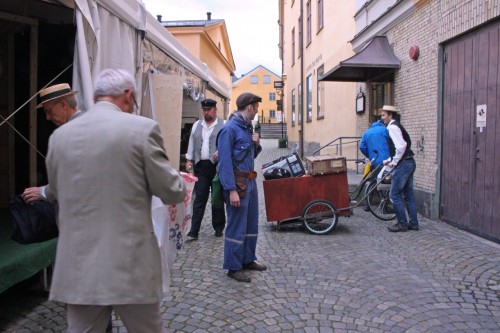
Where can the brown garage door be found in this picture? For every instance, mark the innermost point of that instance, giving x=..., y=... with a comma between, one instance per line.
x=470, y=185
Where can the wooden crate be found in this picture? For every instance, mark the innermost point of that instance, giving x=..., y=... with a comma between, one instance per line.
x=325, y=164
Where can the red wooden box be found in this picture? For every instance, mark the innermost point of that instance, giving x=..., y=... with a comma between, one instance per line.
x=286, y=198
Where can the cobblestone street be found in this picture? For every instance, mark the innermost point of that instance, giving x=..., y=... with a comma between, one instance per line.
x=359, y=278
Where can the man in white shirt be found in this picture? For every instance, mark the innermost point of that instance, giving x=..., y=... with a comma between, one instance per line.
x=202, y=157
x=401, y=159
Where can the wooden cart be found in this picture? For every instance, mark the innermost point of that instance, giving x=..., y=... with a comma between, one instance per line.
x=312, y=200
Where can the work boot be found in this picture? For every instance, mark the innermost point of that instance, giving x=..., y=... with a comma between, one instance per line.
x=398, y=227
x=192, y=236
x=238, y=276
x=255, y=266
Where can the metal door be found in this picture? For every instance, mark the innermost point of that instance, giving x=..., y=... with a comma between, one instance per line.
x=470, y=185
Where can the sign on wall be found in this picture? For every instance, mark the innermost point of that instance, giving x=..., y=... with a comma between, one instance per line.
x=481, y=116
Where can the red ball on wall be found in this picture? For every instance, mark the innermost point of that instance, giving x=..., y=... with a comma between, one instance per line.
x=414, y=52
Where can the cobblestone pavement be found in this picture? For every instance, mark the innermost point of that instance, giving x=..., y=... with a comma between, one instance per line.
x=359, y=278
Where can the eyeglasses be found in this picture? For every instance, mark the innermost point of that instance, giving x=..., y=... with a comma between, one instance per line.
x=136, y=107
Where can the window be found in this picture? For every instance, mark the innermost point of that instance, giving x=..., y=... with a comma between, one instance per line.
x=254, y=79
x=299, y=110
x=320, y=89
x=320, y=15
x=381, y=94
x=267, y=79
x=293, y=46
x=309, y=98
x=308, y=11
x=272, y=113
x=272, y=96
x=293, y=107
x=301, y=37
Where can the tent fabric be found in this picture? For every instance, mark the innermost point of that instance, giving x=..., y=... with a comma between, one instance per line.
x=376, y=61
x=109, y=34
x=103, y=40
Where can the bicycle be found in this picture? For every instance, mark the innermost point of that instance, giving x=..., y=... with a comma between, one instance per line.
x=377, y=193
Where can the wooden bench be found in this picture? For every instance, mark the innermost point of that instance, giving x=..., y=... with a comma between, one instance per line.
x=19, y=262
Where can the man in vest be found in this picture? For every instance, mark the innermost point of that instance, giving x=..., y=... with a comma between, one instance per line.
x=401, y=159
x=202, y=156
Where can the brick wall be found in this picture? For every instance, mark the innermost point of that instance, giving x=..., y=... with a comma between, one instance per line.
x=416, y=88
x=459, y=16
x=417, y=82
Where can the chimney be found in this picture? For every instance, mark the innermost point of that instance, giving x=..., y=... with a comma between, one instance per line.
x=209, y=16
x=159, y=18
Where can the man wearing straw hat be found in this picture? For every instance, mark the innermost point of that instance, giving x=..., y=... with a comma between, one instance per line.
x=60, y=106
x=402, y=161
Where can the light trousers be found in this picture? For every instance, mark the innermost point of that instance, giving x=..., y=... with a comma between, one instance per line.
x=137, y=318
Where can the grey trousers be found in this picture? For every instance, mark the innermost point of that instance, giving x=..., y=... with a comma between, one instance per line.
x=137, y=318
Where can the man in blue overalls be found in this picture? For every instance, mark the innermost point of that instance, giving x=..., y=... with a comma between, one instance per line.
x=238, y=147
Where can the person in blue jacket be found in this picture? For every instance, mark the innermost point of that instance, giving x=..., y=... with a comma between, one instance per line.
x=238, y=146
x=375, y=139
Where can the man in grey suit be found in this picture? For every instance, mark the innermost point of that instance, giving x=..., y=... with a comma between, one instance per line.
x=103, y=169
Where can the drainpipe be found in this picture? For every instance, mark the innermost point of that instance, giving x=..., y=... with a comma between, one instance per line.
x=301, y=45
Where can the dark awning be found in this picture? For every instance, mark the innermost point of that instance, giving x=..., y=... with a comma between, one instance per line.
x=375, y=62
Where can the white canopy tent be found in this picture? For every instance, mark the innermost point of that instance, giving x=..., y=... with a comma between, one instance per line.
x=110, y=34
x=122, y=34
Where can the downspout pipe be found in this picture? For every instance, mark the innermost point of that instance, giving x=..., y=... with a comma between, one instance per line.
x=301, y=45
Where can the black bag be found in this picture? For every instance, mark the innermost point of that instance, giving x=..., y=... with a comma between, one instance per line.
x=34, y=222
x=277, y=173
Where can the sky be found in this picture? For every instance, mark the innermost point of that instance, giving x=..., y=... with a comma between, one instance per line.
x=252, y=26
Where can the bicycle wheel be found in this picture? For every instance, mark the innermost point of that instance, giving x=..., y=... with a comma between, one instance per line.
x=379, y=203
x=319, y=217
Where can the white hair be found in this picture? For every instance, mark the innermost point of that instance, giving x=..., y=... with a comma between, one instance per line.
x=113, y=82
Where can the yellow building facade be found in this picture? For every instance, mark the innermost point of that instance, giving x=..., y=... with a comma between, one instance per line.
x=259, y=81
x=317, y=112
x=208, y=40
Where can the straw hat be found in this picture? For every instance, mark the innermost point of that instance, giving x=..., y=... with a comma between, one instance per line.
x=390, y=108
x=55, y=91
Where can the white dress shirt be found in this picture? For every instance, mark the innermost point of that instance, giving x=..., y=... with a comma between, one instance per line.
x=399, y=143
x=206, y=131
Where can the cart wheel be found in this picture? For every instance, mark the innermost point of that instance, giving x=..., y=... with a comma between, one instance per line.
x=319, y=217
x=379, y=202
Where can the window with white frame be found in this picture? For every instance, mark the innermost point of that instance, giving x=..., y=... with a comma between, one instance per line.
x=320, y=15
x=267, y=79
x=308, y=22
x=309, y=97
x=299, y=109
x=272, y=113
x=254, y=79
x=320, y=92
x=272, y=96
